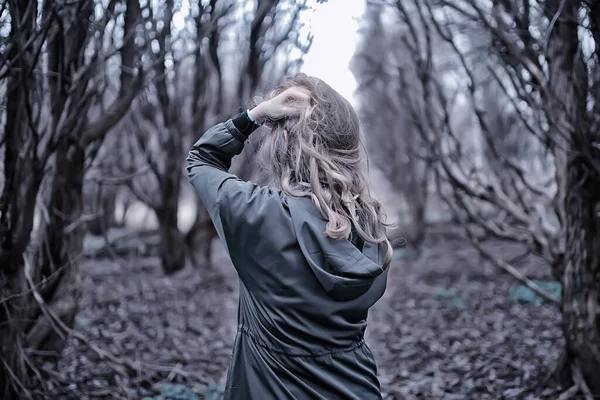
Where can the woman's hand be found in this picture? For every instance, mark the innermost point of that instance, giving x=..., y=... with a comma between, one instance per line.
x=289, y=103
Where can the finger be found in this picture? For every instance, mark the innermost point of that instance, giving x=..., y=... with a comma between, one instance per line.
x=303, y=94
x=299, y=100
x=295, y=109
x=298, y=93
x=301, y=89
x=290, y=111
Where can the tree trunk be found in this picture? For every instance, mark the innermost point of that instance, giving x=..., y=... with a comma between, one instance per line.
x=172, y=249
x=199, y=238
x=54, y=267
x=581, y=276
x=61, y=243
x=22, y=173
x=578, y=194
x=28, y=325
x=102, y=203
x=416, y=197
x=12, y=360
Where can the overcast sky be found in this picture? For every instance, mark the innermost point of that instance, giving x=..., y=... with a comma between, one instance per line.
x=335, y=27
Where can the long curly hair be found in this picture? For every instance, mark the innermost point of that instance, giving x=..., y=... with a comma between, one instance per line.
x=318, y=154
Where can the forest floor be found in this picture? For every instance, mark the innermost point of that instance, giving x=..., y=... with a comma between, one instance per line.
x=448, y=327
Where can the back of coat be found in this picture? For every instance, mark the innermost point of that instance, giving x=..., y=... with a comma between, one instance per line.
x=304, y=297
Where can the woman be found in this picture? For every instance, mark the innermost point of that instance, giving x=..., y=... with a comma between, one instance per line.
x=310, y=249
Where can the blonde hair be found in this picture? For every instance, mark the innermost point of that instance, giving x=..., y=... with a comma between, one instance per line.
x=318, y=154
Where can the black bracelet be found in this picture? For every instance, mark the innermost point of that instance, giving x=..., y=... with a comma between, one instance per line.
x=244, y=124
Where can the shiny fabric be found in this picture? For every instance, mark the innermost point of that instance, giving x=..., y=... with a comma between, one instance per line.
x=304, y=297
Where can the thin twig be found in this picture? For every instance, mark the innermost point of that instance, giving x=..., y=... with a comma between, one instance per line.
x=16, y=379
x=579, y=380
x=569, y=393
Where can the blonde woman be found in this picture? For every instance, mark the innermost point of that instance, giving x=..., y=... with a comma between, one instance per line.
x=310, y=248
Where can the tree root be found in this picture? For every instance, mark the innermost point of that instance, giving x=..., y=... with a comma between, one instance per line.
x=569, y=393
x=16, y=381
x=572, y=371
x=579, y=380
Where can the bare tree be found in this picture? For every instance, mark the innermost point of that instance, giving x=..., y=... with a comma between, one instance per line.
x=391, y=138
x=105, y=189
x=208, y=88
x=535, y=56
x=274, y=28
x=158, y=128
x=55, y=76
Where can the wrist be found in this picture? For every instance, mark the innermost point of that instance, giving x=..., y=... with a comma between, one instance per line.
x=257, y=114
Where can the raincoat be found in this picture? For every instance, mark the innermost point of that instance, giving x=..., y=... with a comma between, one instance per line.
x=303, y=298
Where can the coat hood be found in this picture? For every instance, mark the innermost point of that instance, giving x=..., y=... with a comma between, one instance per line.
x=343, y=270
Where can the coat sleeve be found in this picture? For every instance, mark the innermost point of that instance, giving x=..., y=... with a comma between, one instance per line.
x=236, y=207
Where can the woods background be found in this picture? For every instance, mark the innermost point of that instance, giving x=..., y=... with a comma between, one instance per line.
x=481, y=124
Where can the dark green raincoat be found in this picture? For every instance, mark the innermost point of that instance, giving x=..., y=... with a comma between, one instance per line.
x=304, y=297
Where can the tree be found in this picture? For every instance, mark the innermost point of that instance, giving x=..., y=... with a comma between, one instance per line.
x=392, y=140
x=159, y=127
x=537, y=61
x=54, y=68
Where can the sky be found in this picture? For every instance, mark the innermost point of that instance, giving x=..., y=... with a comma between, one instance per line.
x=335, y=26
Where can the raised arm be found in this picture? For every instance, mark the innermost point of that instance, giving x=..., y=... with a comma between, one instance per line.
x=209, y=160
x=230, y=201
